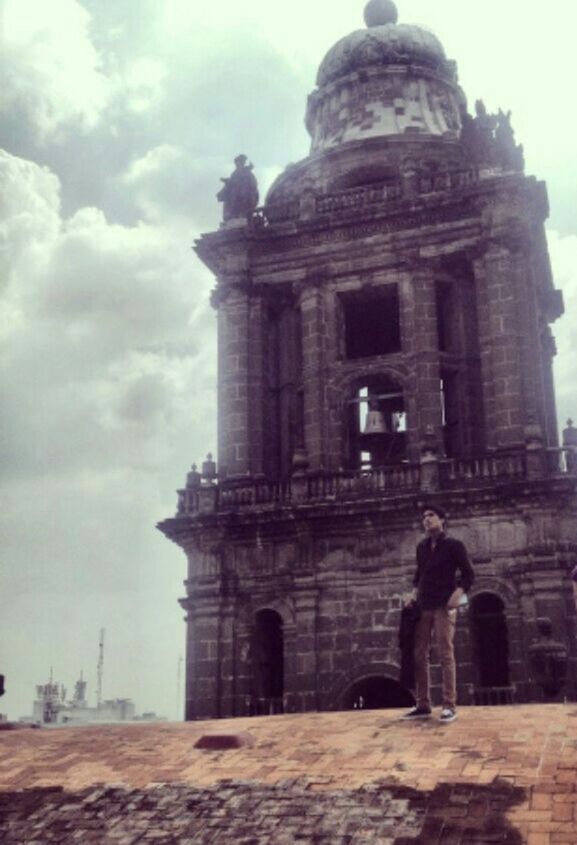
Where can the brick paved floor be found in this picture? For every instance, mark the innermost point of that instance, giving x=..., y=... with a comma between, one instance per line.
x=496, y=775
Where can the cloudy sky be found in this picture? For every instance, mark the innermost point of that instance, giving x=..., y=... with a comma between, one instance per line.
x=118, y=119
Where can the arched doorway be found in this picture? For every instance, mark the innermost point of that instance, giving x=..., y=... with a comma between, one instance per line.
x=491, y=647
x=377, y=692
x=268, y=662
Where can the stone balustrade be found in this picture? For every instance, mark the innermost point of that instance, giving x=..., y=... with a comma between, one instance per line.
x=314, y=488
x=353, y=200
x=509, y=466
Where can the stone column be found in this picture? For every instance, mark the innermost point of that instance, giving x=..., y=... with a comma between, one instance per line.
x=304, y=679
x=255, y=383
x=526, y=298
x=314, y=338
x=419, y=338
x=499, y=340
x=240, y=382
x=204, y=632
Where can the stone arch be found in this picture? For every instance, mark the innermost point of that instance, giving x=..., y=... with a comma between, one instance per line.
x=370, y=687
x=346, y=383
x=379, y=380
x=283, y=606
x=498, y=586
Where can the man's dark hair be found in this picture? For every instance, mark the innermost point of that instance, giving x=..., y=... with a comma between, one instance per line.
x=436, y=509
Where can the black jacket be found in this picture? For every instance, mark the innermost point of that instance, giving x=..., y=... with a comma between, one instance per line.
x=435, y=578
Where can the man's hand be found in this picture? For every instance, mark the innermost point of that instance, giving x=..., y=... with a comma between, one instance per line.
x=410, y=599
x=455, y=598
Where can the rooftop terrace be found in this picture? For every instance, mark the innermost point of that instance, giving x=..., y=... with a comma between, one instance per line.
x=499, y=774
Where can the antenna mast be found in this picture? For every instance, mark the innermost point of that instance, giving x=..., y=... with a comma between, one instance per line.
x=100, y=668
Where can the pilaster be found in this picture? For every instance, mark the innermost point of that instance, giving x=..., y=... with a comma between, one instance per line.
x=314, y=339
x=420, y=340
x=500, y=344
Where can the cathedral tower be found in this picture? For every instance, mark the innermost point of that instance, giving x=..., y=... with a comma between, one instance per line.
x=383, y=341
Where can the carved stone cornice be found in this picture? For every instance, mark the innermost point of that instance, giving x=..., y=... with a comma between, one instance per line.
x=225, y=251
x=354, y=231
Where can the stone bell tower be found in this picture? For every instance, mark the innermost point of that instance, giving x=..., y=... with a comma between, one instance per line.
x=383, y=341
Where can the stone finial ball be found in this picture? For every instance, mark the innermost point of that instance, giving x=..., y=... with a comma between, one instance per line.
x=380, y=12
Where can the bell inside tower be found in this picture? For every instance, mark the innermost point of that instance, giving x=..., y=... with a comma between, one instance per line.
x=377, y=424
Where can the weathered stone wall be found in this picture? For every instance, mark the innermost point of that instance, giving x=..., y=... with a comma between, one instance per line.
x=338, y=584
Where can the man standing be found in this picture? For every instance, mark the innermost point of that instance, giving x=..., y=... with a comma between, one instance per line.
x=437, y=595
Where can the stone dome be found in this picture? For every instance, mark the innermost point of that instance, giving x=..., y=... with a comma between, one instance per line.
x=383, y=42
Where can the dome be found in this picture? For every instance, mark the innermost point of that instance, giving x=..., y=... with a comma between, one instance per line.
x=383, y=42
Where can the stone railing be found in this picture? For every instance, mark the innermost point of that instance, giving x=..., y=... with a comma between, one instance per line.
x=353, y=485
x=384, y=482
x=507, y=466
x=492, y=696
x=353, y=200
x=448, y=180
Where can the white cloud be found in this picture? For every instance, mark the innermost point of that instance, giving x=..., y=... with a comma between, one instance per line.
x=52, y=75
x=143, y=84
x=29, y=213
x=107, y=377
x=168, y=183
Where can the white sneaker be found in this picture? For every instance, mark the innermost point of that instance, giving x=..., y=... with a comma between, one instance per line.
x=448, y=715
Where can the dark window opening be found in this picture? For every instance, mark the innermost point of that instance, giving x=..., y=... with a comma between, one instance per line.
x=377, y=425
x=448, y=327
x=450, y=413
x=372, y=324
x=268, y=662
x=377, y=693
x=490, y=639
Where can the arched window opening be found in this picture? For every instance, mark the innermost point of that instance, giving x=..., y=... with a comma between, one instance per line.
x=490, y=641
x=268, y=663
x=377, y=425
x=377, y=692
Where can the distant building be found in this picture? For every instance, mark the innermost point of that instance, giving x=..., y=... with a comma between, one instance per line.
x=52, y=708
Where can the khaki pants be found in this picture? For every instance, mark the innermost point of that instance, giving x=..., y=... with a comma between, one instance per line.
x=442, y=622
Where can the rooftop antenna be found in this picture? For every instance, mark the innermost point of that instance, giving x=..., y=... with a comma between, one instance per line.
x=100, y=669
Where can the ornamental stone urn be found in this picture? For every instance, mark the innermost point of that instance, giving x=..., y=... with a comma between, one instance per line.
x=548, y=660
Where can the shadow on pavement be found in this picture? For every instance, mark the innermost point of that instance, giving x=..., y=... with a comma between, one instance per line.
x=295, y=812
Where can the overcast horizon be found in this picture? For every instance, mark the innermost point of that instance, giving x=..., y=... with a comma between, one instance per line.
x=119, y=117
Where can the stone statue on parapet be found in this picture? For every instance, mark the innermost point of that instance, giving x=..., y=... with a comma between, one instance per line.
x=485, y=125
x=509, y=153
x=489, y=139
x=239, y=193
